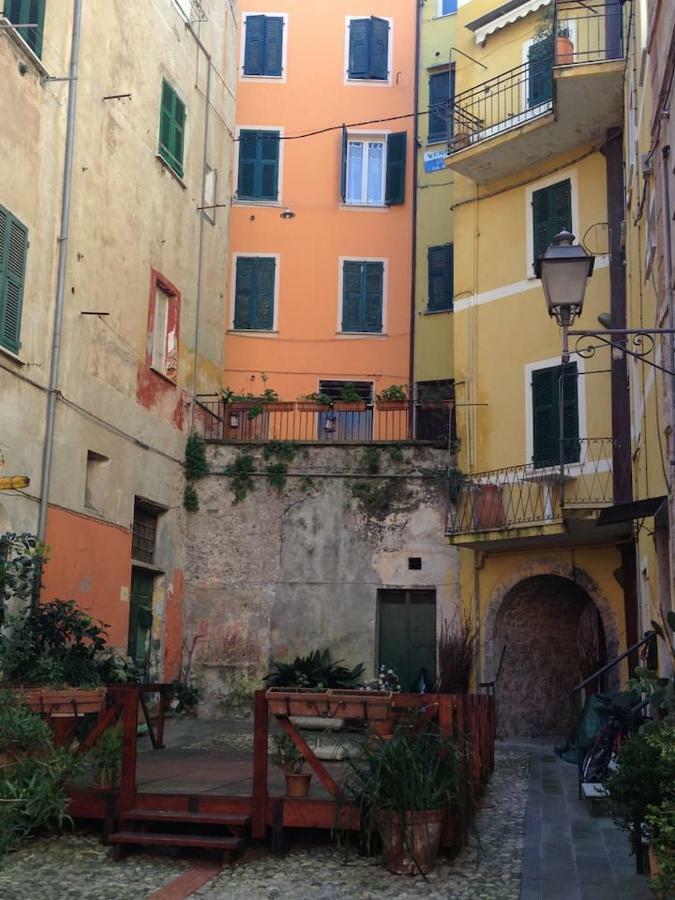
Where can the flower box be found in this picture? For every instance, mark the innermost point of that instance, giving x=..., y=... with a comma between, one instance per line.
x=343, y=704
x=350, y=406
x=390, y=405
x=308, y=406
x=279, y=406
x=63, y=702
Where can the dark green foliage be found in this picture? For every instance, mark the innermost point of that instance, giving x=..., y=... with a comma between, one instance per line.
x=393, y=392
x=317, y=670
x=190, y=498
x=285, y=451
x=375, y=497
x=196, y=466
x=370, y=460
x=183, y=697
x=20, y=561
x=276, y=475
x=645, y=774
x=661, y=822
x=286, y=755
x=349, y=394
x=319, y=399
x=20, y=729
x=106, y=756
x=241, y=473
x=57, y=644
x=395, y=453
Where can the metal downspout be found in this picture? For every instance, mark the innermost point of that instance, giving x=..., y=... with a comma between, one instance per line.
x=53, y=390
x=671, y=349
x=412, y=393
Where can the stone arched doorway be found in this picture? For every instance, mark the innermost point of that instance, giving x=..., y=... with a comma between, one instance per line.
x=551, y=629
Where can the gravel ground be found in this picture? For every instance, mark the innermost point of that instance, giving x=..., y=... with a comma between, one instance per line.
x=77, y=867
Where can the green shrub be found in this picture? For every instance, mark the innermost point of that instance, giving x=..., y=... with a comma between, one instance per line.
x=286, y=755
x=317, y=670
x=20, y=729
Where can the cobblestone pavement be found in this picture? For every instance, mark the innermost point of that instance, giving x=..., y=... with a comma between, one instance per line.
x=77, y=867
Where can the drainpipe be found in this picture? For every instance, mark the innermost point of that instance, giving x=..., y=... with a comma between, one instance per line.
x=621, y=450
x=202, y=217
x=412, y=392
x=671, y=348
x=53, y=390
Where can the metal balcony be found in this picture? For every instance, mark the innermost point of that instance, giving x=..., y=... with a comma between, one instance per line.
x=566, y=96
x=544, y=503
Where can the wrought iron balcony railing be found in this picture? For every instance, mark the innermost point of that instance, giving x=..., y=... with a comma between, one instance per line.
x=534, y=495
x=586, y=31
x=359, y=422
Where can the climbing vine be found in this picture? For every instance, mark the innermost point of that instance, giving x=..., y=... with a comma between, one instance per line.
x=241, y=473
x=375, y=497
x=196, y=467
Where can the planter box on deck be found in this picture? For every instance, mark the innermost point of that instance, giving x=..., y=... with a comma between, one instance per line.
x=63, y=702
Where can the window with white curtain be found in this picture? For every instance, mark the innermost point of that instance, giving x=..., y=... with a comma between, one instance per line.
x=365, y=172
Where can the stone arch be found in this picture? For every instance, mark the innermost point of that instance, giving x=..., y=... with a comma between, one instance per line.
x=555, y=594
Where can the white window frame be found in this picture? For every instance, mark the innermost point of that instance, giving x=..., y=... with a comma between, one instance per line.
x=210, y=194
x=368, y=82
x=279, y=79
x=235, y=169
x=360, y=335
x=529, y=368
x=366, y=137
x=233, y=296
x=570, y=175
x=160, y=338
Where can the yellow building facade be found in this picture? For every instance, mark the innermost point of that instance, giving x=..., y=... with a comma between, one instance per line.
x=537, y=96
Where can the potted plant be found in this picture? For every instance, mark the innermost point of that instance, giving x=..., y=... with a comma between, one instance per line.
x=404, y=788
x=456, y=648
x=488, y=508
x=289, y=759
x=314, y=403
x=22, y=733
x=106, y=758
x=392, y=397
x=350, y=401
x=564, y=46
x=303, y=686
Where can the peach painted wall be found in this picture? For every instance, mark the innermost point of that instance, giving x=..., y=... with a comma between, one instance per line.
x=173, y=627
x=90, y=562
x=314, y=95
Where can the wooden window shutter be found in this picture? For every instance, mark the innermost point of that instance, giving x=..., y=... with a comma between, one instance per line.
x=359, y=43
x=254, y=48
x=396, y=153
x=267, y=187
x=264, y=293
x=172, y=128
x=546, y=450
x=378, y=50
x=248, y=145
x=352, y=292
x=440, y=262
x=540, y=57
x=243, y=293
x=439, y=95
x=13, y=249
x=178, y=132
x=551, y=214
x=344, y=140
x=28, y=12
x=274, y=36
x=570, y=417
x=373, y=280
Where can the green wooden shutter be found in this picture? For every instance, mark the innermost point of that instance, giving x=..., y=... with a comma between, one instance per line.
x=264, y=293
x=248, y=148
x=546, y=449
x=540, y=72
x=274, y=36
x=254, y=47
x=378, y=49
x=344, y=140
x=172, y=128
x=178, y=132
x=570, y=417
x=359, y=56
x=440, y=262
x=373, y=281
x=396, y=152
x=13, y=249
x=352, y=292
x=439, y=95
x=243, y=293
x=551, y=214
x=267, y=187
x=26, y=12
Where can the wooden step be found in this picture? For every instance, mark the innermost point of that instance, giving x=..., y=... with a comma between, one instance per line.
x=235, y=820
x=176, y=840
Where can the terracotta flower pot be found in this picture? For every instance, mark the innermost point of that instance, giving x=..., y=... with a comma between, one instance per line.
x=63, y=702
x=350, y=406
x=297, y=784
x=414, y=849
x=392, y=404
x=382, y=727
x=564, y=54
x=488, y=508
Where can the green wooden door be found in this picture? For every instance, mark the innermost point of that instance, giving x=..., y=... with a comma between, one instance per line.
x=140, y=617
x=407, y=635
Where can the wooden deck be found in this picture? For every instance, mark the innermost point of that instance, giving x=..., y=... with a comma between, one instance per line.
x=242, y=791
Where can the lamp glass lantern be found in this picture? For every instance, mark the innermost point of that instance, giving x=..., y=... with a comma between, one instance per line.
x=564, y=270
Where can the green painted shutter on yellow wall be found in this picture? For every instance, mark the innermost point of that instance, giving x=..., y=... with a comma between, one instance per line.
x=13, y=249
x=28, y=12
x=172, y=129
x=546, y=415
x=551, y=214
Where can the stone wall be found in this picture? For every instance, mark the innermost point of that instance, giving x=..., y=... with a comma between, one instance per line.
x=290, y=569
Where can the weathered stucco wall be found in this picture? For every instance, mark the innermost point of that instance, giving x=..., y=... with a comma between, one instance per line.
x=282, y=573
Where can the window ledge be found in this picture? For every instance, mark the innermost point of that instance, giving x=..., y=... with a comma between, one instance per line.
x=361, y=334
x=268, y=332
x=370, y=82
x=175, y=174
x=15, y=36
x=278, y=78
x=366, y=207
x=172, y=381
x=437, y=312
x=10, y=354
x=431, y=142
x=245, y=201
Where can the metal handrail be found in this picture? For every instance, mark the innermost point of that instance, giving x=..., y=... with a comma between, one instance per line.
x=649, y=636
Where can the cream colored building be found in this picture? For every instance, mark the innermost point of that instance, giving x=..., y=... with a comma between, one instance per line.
x=143, y=283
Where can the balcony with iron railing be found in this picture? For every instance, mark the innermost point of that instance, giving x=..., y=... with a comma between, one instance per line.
x=567, y=94
x=548, y=503
x=361, y=422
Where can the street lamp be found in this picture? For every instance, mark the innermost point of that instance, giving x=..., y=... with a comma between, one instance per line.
x=564, y=270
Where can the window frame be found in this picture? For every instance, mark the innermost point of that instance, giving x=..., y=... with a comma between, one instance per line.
x=440, y=14
x=170, y=354
x=252, y=201
x=360, y=335
x=264, y=332
x=363, y=137
x=553, y=362
x=449, y=246
x=370, y=82
x=279, y=79
x=167, y=157
x=530, y=190
x=21, y=32
x=10, y=218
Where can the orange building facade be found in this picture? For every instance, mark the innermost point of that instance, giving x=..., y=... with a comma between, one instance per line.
x=321, y=226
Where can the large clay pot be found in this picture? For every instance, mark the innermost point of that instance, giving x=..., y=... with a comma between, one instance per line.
x=564, y=53
x=488, y=508
x=297, y=784
x=414, y=850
